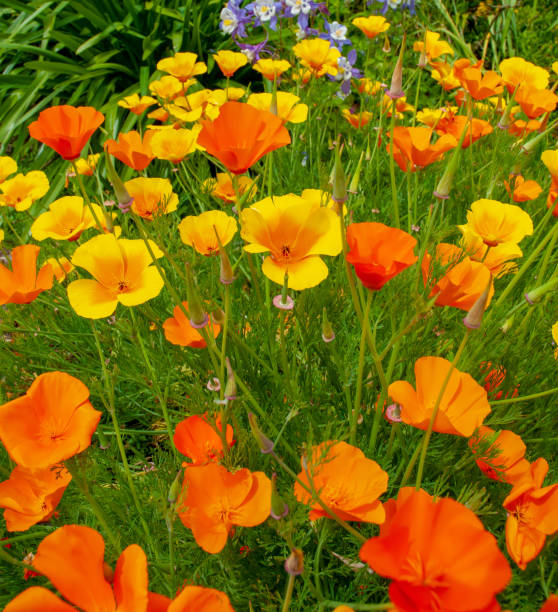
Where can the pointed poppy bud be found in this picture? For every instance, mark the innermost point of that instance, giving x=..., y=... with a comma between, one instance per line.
x=353, y=187
x=294, y=564
x=507, y=324
x=536, y=294
x=230, y=386
x=218, y=316
x=198, y=317
x=124, y=198
x=396, y=88
x=174, y=490
x=265, y=444
x=473, y=318
x=339, y=180
x=279, y=508
x=226, y=275
x=387, y=47
x=327, y=331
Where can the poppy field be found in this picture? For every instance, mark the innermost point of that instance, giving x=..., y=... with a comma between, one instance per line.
x=279, y=306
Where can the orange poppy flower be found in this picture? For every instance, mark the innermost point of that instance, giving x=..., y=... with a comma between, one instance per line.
x=443, y=73
x=495, y=376
x=357, y=120
x=201, y=231
x=53, y=421
x=463, y=407
x=122, y=272
x=550, y=605
x=379, y=252
x=132, y=150
x=520, y=128
x=66, y=129
x=413, y=149
x=521, y=190
x=500, y=456
x=516, y=72
x=473, y=81
x=241, y=135
x=425, y=548
x=192, y=599
x=31, y=496
x=464, y=279
x=532, y=511
x=214, y=500
x=195, y=438
x=353, y=498
x=535, y=102
x=152, y=196
x=222, y=187
x=179, y=330
x=455, y=124
x=22, y=284
x=73, y=556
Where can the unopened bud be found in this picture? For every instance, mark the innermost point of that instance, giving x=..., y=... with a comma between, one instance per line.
x=473, y=318
x=423, y=60
x=123, y=197
x=230, y=386
x=387, y=47
x=198, y=317
x=396, y=88
x=339, y=180
x=218, y=316
x=279, y=508
x=353, y=186
x=443, y=188
x=103, y=440
x=507, y=324
x=265, y=444
x=536, y=294
x=294, y=564
x=174, y=490
x=327, y=330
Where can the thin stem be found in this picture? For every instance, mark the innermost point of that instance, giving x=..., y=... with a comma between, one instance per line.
x=355, y=413
x=349, y=272
x=525, y=398
x=394, y=201
x=289, y=594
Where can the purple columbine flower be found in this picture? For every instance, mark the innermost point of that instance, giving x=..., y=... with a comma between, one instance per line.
x=398, y=4
x=253, y=52
x=301, y=9
x=346, y=72
x=234, y=19
x=265, y=12
x=336, y=34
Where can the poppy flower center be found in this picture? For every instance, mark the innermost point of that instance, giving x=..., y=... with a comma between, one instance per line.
x=286, y=251
x=123, y=287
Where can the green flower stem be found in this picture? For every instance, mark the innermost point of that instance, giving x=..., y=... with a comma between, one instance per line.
x=112, y=410
x=394, y=201
x=160, y=396
x=310, y=489
x=324, y=528
x=434, y=414
x=289, y=594
x=283, y=351
x=356, y=300
x=86, y=198
x=525, y=398
x=355, y=412
x=410, y=466
x=7, y=222
x=10, y=559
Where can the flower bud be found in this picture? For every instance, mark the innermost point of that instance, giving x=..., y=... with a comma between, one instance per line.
x=174, y=490
x=353, y=186
x=294, y=564
x=265, y=444
x=473, y=318
x=396, y=88
x=339, y=180
x=230, y=386
x=446, y=182
x=198, y=317
x=327, y=331
x=121, y=193
x=218, y=316
x=226, y=275
x=279, y=508
x=535, y=294
x=387, y=47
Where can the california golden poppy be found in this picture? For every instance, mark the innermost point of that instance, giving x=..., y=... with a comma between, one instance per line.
x=425, y=548
x=72, y=557
x=229, y=61
x=31, y=496
x=372, y=25
x=353, y=498
x=183, y=66
x=357, y=120
x=287, y=106
x=152, y=196
x=22, y=190
x=498, y=259
x=535, y=102
x=61, y=267
x=296, y=230
x=8, y=166
x=521, y=190
x=175, y=145
x=455, y=124
x=179, y=330
x=431, y=47
x=496, y=222
x=52, y=422
x=136, y=104
x=503, y=454
x=222, y=187
x=168, y=87
x=66, y=129
x=318, y=55
x=241, y=135
x=443, y=73
x=22, y=284
x=131, y=149
x=201, y=231
x=271, y=68
x=214, y=500
x=477, y=84
x=198, y=599
x=122, y=272
x=532, y=511
x=379, y=252
x=463, y=405
x=516, y=72
x=412, y=148
x=195, y=438
x=66, y=219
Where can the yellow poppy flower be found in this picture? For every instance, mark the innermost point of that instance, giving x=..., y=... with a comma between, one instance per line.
x=183, y=66
x=371, y=26
x=152, y=196
x=271, y=68
x=61, y=267
x=318, y=56
x=222, y=187
x=22, y=190
x=517, y=71
x=199, y=231
x=555, y=335
x=7, y=166
x=175, y=145
x=136, y=104
x=498, y=259
x=229, y=61
x=432, y=47
x=288, y=108
x=168, y=87
x=65, y=219
x=122, y=272
x=296, y=231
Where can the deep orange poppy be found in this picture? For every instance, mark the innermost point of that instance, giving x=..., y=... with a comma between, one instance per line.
x=66, y=129
x=214, y=500
x=132, y=150
x=178, y=329
x=550, y=605
x=195, y=438
x=22, y=284
x=455, y=124
x=347, y=482
x=413, y=149
x=425, y=548
x=472, y=79
x=241, y=135
x=52, y=422
x=379, y=252
x=192, y=599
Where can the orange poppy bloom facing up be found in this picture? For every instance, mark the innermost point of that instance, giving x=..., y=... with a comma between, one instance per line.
x=132, y=150
x=179, y=330
x=463, y=281
x=532, y=514
x=152, y=196
x=413, y=149
x=379, y=252
x=296, y=230
x=31, y=496
x=521, y=190
x=318, y=56
x=241, y=135
x=52, y=422
x=222, y=187
x=270, y=68
x=183, y=66
x=425, y=548
x=463, y=406
x=73, y=556
x=372, y=25
x=502, y=455
x=214, y=500
x=473, y=81
x=66, y=129
x=201, y=231
x=22, y=284
x=122, y=272
x=346, y=481
x=22, y=190
x=195, y=438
